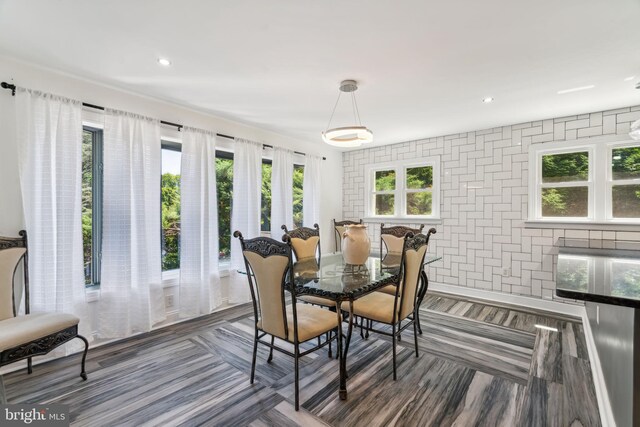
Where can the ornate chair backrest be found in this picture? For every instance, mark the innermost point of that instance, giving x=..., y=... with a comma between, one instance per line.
x=339, y=228
x=392, y=238
x=414, y=252
x=305, y=241
x=268, y=262
x=12, y=251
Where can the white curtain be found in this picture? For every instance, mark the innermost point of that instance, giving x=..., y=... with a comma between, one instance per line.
x=281, y=191
x=199, y=277
x=311, y=188
x=131, y=295
x=49, y=132
x=245, y=210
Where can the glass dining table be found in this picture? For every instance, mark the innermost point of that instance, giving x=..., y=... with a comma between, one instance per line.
x=333, y=279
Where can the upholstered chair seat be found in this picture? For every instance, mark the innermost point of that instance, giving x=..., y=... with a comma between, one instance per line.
x=312, y=322
x=389, y=290
x=31, y=327
x=317, y=300
x=376, y=306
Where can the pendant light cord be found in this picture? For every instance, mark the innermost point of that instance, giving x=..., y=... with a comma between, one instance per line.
x=334, y=111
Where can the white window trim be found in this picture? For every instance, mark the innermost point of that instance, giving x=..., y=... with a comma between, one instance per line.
x=599, y=181
x=400, y=192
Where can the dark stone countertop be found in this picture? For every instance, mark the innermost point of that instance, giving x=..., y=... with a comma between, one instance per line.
x=602, y=274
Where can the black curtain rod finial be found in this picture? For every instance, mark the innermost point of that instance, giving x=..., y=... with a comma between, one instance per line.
x=6, y=85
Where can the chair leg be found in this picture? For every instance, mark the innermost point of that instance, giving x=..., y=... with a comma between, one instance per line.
x=393, y=339
x=399, y=331
x=270, y=358
x=83, y=373
x=29, y=366
x=415, y=331
x=297, y=376
x=329, y=338
x=255, y=353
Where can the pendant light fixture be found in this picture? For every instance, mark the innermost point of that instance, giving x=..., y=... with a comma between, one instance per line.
x=347, y=136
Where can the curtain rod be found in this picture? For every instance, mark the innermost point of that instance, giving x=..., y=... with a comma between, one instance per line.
x=12, y=88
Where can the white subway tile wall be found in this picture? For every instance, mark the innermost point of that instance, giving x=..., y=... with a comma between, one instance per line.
x=482, y=238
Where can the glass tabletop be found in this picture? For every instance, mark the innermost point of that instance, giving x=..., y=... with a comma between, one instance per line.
x=334, y=279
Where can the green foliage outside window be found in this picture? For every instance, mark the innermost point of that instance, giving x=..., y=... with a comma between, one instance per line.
x=565, y=201
x=298, y=181
x=170, y=197
x=224, y=184
x=565, y=167
x=419, y=178
x=87, y=203
x=385, y=180
x=625, y=163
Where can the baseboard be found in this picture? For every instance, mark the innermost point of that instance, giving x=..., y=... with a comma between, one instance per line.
x=604, y=404
x=521, y=300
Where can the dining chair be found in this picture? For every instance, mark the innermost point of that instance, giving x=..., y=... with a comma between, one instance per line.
x=339, y=228
x=391, y=243
x=392, y=310
x=23, y=336
x=269, y=267
x=305, y=243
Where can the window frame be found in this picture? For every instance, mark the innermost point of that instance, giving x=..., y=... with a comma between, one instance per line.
x=400, y=192
x=97, y=201
x=600, y=182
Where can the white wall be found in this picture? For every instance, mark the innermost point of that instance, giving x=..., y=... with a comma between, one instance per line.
x=33, y=77
x=484, y=180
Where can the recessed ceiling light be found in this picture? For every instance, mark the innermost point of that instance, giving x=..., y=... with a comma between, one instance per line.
x=629, y=78
x=487, y=100
x=575, y=89
x=164, y=62
x=546, y=328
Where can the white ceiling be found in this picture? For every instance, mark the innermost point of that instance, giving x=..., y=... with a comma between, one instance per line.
x=423, y=66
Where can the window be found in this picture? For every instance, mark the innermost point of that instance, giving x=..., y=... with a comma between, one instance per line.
x=170, y=197
x=586, y=181
x=265, y=210
x=402, y=190
x=298, y=182
x=224, y=189
x=565, y=185
x=92, y=204
x=624, y=182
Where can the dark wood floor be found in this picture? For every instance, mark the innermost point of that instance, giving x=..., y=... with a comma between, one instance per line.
x=479, y=364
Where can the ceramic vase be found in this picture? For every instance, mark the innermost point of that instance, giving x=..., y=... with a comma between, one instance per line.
x=356, y=244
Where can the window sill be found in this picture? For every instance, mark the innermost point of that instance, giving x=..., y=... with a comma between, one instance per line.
x=172, y=278
x=403, y=220
x=585, y=225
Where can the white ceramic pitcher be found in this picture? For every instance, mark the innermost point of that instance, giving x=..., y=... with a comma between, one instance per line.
x=356, y=244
